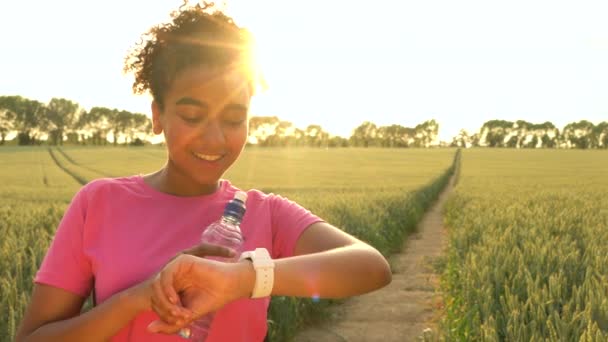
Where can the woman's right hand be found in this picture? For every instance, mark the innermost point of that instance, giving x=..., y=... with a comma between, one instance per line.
x=198, y=286
x=154, y=297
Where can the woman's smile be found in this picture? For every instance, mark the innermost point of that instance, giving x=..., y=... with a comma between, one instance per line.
x=208, y=157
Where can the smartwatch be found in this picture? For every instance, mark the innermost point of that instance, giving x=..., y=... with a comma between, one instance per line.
x=264, y=271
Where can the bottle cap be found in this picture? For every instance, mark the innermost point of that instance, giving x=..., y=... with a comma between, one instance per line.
x=236, y=207
x=241, y=196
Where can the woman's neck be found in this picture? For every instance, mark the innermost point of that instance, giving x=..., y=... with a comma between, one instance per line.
x=171, y=181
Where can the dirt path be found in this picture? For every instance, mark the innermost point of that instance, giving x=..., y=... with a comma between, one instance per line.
x=406, y=307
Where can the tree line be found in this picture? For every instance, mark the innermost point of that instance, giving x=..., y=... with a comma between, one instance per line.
x=522, y=134
x=271, y=131
x=63, y=121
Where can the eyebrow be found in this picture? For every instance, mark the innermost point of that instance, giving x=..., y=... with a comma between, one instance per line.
x=191, y=102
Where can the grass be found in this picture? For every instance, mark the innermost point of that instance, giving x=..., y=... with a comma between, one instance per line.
x=527, y=257
x=375, y=194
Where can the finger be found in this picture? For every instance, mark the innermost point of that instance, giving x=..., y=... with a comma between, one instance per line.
x=167, y=291
x=206, y=249
x=166, y=310
x=165, y=282
x=163, y=315
x=166, y=286
x=167, y=315
x=161, y=327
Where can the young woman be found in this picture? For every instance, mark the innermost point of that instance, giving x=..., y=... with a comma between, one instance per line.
x=119, y=234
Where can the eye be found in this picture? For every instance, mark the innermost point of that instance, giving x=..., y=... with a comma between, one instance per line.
x=190, y=117
x=191, y=120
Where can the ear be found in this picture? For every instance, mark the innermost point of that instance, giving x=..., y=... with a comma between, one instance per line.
x=157, y=125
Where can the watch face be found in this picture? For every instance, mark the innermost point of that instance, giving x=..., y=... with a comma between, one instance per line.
x=259, y=257
x=262, y=253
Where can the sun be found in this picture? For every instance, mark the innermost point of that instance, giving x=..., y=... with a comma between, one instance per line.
x=254, y=19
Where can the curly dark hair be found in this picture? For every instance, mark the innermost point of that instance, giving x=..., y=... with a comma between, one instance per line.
x=199, y=35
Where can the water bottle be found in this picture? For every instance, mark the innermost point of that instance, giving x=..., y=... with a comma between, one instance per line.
x=223, y=232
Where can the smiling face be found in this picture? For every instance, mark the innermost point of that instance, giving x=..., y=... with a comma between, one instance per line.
x=204, y=119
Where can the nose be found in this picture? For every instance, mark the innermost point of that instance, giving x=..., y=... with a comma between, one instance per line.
x=213, y=135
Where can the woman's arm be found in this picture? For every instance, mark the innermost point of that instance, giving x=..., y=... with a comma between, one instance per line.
x=328, y=263
x=53, y=314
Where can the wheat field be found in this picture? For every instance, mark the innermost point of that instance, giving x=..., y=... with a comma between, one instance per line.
x=528, y=258
x=375, y=194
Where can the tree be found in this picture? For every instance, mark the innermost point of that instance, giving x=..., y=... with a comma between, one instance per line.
x=7, y=124
x=121, y=122
x=282, y=134
x=600, y=132
x=316, y=136
x=364, y=135
x=140, y=128
x=494, y=133
x=337, y=141
x=299, y=137
x=427, y=133
x=580, y=135
x=513, y=142
x=396, y=136
x=261, y=127
x=462, y=139
x=532, y=143
x=61, y=116
x=98, y=122
x=518, y=134
x=549, y=134
x=29, y=118
x=548, y=141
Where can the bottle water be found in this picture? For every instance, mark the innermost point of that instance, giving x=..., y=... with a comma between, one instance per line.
x=227, y=233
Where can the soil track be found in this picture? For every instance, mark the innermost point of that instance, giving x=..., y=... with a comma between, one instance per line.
x=406, y=307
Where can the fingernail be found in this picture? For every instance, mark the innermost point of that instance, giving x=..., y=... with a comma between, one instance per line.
x=152, y=327
x=172, y=300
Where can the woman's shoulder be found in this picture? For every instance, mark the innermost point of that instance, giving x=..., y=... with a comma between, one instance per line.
x=260, y=197
x=100, y=186
x=253, y=195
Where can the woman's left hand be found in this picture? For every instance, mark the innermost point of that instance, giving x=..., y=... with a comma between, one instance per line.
x=197, y=286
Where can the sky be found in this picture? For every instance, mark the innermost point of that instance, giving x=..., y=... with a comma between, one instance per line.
x=339, y=63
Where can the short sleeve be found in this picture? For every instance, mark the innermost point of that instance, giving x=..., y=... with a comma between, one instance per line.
x=65, y=265
x=288, y=221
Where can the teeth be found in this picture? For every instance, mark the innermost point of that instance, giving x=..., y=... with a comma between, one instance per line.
x=207, y=157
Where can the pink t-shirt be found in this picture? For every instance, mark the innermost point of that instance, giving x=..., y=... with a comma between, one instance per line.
x=121, y=231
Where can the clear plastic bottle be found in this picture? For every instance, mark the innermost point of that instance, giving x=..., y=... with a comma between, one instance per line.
x=224, y=232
